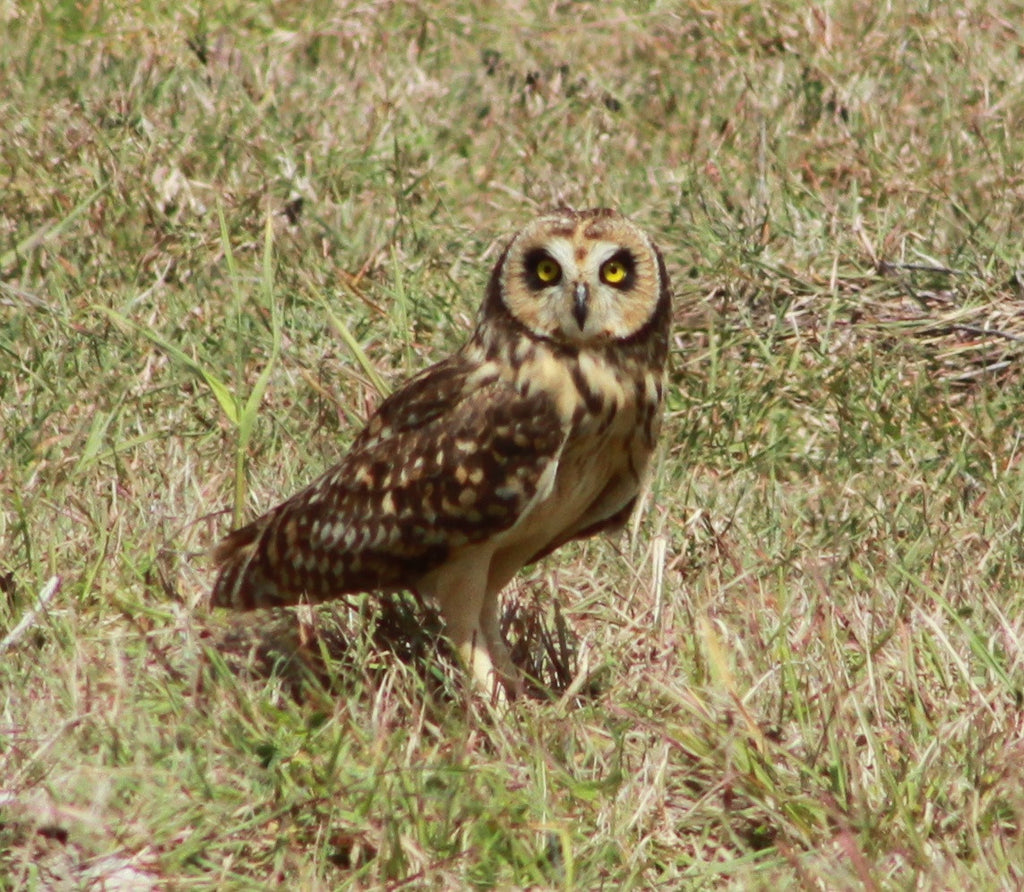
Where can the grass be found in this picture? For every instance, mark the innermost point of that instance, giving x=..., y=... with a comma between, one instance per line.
x=223, y=234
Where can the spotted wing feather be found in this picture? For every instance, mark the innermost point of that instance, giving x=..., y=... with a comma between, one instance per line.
x=447, y=460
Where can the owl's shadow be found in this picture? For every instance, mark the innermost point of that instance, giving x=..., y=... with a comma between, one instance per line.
x=337, y=646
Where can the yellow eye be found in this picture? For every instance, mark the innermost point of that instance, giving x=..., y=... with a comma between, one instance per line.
x=548, y=271
x=614, y=272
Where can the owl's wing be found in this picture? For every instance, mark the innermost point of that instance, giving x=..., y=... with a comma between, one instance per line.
x=447, y=460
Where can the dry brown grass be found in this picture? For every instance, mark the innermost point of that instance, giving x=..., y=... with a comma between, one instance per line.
x=801, y=668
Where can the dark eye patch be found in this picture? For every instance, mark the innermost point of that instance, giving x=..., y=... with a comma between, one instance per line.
x=619, y=270
x=542, y=270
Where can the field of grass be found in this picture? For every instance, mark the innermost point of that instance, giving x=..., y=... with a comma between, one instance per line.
x=224, y=230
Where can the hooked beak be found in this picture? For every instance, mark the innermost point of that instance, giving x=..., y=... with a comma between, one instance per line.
x=581, y=296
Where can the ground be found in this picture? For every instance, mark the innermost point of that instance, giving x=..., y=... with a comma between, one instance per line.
x=224, y=233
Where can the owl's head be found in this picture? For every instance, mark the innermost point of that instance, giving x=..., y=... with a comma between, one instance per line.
x=581, y=278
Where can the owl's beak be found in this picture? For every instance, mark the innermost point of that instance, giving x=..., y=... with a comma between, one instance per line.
x=581, y=298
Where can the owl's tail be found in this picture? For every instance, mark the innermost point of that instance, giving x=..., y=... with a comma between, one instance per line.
x=244, y=582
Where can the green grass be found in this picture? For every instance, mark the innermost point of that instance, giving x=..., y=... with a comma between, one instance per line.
x=223, y=234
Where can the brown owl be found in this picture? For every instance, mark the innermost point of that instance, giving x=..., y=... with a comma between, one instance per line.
x=536, y=432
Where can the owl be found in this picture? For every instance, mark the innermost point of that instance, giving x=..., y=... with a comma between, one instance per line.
x=538, y=431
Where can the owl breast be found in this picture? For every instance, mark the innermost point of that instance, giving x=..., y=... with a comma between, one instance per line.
x=611, y=415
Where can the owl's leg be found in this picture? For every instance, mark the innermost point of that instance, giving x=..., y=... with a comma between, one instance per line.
x=507, y=673
x=503, y=568
x=460, y=589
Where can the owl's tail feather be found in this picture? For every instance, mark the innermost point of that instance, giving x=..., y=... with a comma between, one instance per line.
x=243, y=583
x=229, y=547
